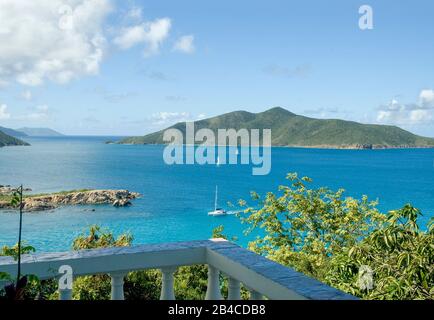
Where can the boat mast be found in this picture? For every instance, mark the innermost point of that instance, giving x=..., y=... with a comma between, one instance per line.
x=215, y=203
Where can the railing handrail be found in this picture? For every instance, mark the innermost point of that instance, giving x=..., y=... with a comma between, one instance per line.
x=254, y=271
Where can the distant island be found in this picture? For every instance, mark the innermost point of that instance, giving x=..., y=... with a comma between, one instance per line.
x=40, y=132
x=12, y=137
x=291, y=130
x=7, y=140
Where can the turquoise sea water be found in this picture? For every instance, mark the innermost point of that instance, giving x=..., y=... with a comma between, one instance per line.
x=176, y=199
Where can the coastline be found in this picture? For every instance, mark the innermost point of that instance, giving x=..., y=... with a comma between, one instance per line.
x=176, y=207
x=330, y=147
x=45, y=202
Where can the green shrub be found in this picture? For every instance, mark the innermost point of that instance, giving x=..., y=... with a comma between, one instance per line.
x=339, y=240
x=334, y=238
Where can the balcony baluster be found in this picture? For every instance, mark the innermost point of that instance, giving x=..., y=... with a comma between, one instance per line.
x=167, y=281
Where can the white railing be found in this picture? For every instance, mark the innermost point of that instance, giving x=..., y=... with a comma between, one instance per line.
x=263, y=278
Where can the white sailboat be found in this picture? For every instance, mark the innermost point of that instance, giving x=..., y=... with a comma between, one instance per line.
x=217, y=211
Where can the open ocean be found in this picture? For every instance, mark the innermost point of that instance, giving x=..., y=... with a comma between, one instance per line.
x=176, y=199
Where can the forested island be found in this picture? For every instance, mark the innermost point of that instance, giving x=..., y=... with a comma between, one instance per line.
x=291, y=130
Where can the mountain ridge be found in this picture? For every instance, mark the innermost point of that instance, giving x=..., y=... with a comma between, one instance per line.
x=39, y=132
x=292, y=130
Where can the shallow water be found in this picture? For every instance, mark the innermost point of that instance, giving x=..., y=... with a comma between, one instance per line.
x=176, y=199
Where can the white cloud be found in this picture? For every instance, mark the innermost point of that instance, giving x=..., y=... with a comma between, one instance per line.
x=39, y=113
x=426, y=98
x=161, y=118
x=420, y=116
x=185, y=44
x=130, y=36
x=409, y=114
x=135, y=13
x=57, y=40
x=4, y=115
x=404, y=117
x=27, y=95
x=3, y=83
x=152, y=34
x=169, y=118
x=325, y=112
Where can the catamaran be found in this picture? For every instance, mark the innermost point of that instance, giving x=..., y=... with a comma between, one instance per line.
x=217, y=211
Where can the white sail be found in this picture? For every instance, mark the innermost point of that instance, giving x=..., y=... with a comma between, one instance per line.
x=216, y=195
x=217, y=211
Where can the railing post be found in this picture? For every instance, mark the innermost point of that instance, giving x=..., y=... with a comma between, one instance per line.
x=167, y=280
x=117, y=280
x=234, y=288
x=213, y=289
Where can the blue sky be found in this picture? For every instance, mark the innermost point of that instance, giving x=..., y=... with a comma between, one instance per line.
x=132, y=67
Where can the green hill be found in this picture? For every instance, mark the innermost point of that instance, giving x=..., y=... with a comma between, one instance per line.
x=289, y=129
x=6, y=140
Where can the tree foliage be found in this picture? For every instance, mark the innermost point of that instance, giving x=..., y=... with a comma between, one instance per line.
x=138, y=285
x=342, y=241
x=339, y=240
x=13, y=251
x=16, y=290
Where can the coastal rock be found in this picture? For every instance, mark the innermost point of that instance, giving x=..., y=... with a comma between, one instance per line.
x=118, y=198
x=122, y=203
x=32, y=206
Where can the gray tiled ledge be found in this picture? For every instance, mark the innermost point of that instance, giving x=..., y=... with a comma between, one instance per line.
x=256, y=272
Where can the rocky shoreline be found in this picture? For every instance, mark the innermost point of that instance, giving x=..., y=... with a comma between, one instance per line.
x=321, y=146
x=117, y=198
x=358, y=147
